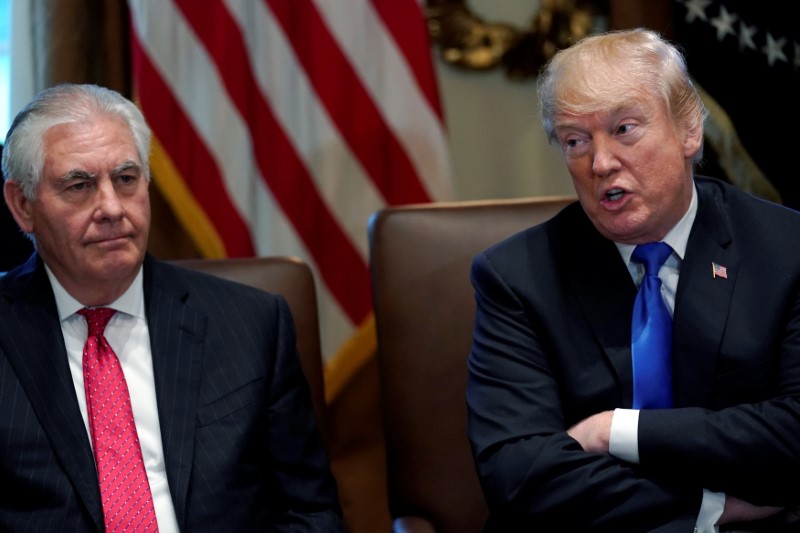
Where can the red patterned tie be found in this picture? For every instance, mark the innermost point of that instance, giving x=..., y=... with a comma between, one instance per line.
x=124, y=489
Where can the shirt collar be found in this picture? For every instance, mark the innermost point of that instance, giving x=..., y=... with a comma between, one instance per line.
x=131, y=302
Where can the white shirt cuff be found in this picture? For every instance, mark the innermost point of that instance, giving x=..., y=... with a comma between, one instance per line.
x=623, y=442
x=710, y=511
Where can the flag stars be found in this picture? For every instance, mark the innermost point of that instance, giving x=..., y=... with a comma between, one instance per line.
x=724, y=23
x=696, y=9
x=746, y=34
x=774, y=49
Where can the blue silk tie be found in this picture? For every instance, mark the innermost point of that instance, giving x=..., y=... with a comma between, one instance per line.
x=651, y=334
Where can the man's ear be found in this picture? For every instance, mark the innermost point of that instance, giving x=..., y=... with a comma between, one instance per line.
x=19, y=205
x=692, y=141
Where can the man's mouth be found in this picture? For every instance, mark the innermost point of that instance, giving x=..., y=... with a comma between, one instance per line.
x=109, y=240
x=614, y=194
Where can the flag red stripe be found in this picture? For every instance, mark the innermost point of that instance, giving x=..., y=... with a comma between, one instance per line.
x=339, y=263
x=406, y=23
x=348, y=103
x=188, y=152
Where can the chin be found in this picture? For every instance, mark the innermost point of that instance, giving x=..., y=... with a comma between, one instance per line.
x=621, y=228
x=118, y=266
x=618, y=234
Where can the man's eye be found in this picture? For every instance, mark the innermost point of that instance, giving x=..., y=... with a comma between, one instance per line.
x=625, y=128
x=79, y=186
x=126, y=179
x=571, y=143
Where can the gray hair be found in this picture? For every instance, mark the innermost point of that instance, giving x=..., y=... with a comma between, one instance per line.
x=23, y=153
x=611, y=70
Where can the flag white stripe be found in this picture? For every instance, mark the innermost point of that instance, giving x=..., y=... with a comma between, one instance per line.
x=385, y=74
x=182, y=60
x=339, y=178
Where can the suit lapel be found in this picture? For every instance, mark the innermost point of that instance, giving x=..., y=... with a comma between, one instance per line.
x=702, y=301
x=605, y=292
x=177, y=333
x=35, y=348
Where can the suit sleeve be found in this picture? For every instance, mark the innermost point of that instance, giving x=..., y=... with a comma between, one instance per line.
x=300, y=466
x=530, y=470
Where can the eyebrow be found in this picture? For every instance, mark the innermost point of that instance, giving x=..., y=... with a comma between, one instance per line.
x=77, y=174
x=126, y=167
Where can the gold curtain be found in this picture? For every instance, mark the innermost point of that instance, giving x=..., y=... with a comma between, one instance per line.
x=80, y=41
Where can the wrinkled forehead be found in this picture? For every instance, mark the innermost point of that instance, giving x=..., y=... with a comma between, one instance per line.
x=589, y=85
x=104, y=141
x=74, y=128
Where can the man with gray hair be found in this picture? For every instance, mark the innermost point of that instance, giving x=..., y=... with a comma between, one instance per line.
x=134, y=395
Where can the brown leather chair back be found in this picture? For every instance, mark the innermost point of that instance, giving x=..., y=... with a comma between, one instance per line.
x=294, y=280
x=424, y=305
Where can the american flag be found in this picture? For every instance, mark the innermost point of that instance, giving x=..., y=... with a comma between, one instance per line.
x=281, y=125
x=719, y=271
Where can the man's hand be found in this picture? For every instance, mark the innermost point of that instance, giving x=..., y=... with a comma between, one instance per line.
x=594, y=432
x=737, y=510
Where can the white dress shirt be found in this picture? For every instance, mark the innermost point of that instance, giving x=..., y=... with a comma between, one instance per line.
x=129, y=337
x=623, y=441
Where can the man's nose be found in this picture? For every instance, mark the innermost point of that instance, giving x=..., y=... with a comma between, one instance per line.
x=604, y=159
x=108, y=202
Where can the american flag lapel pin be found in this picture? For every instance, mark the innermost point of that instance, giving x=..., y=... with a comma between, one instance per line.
x=718, y=271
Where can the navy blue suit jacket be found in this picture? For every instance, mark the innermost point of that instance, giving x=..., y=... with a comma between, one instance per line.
x=241, y=447
x=552, y=346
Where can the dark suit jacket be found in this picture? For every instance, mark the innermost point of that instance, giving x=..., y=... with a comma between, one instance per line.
x=552, y=346
x=241, y=447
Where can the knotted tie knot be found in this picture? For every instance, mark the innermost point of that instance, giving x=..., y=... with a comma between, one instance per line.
x=97, y=319
x=652, y=255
